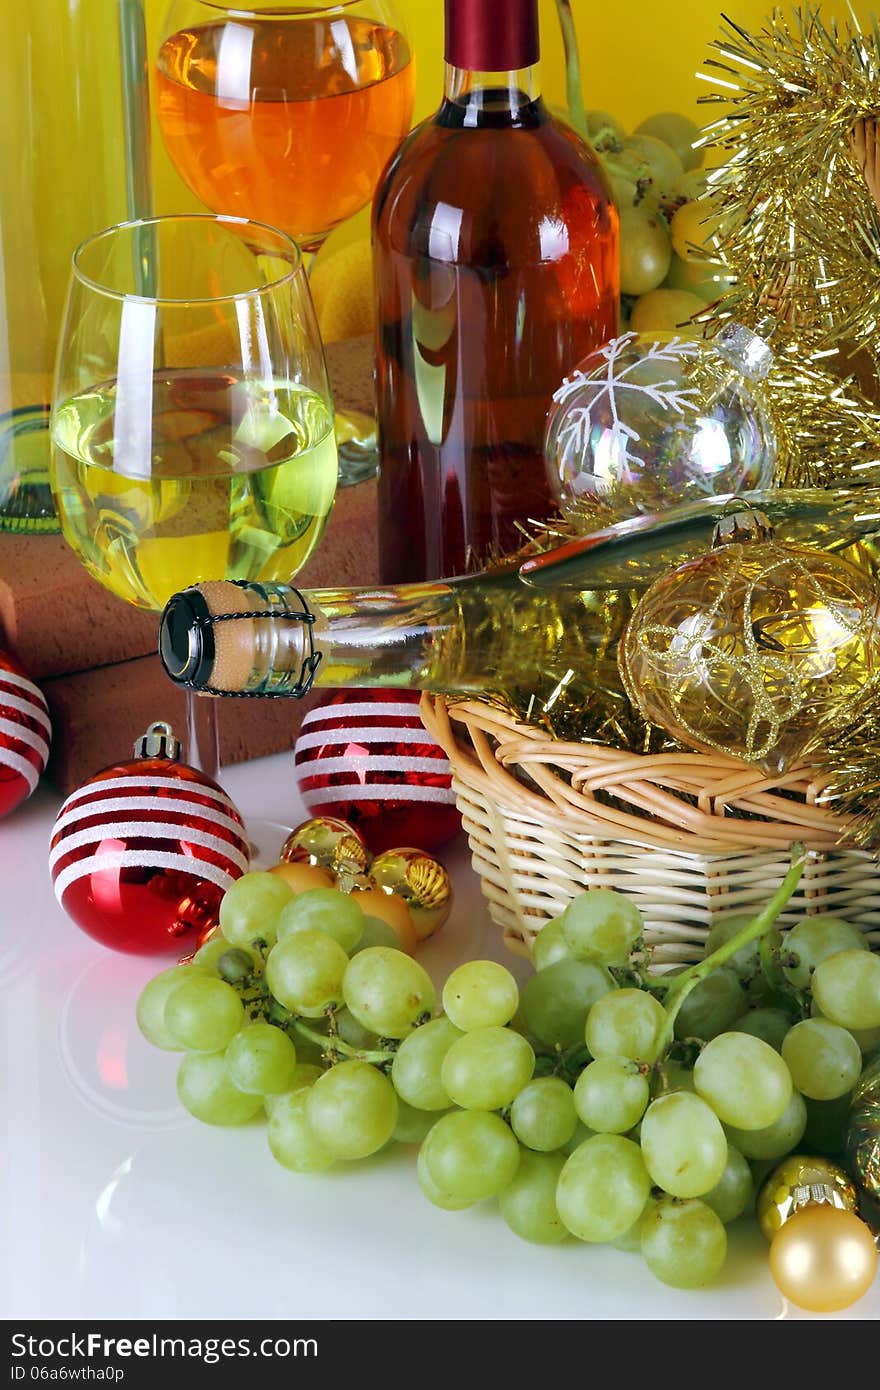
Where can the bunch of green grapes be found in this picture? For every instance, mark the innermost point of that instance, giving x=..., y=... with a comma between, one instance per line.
x=601, y=1103
x=670, y=268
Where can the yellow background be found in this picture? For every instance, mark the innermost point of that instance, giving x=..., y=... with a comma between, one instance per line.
x=637, y=57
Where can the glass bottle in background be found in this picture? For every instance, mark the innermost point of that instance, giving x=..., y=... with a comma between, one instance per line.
x=497, y=269
x=63, y=129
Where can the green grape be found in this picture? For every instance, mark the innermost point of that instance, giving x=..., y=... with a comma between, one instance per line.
x=151, y=1005
x=543, y=1115
x=602, y=925
x=261, y=1060
x=683, y=1145
x=250, y=908
x=354, y=1033
x=677, y=1077
x=550, y=945
x=387, y=991
x=604, y=131
x=770, y=1025
x=825, y=1060
x=813, y=940
x=471, y=1155
x=203, y=1014
x=694, y=230
x=734, y=1191
x=712, y=1006
x=555, y=1002
x=693, y=184
x=746, y=1083
x=305, y=1074
x=631, y=1240
x=867, y=1038
x=413, y=1125
x=376, y=932
x=846, y=986
x=645, y=250
x=627, y=192
x=581, y=1133
x=418, y=1062
x=677, y=132
x=603, y=1188
x=626, y=1023
x=323, y=909
x=611, y=1095
x=666, y=311
x=480, y=994
x=745, y=961
x=206, y=1091
x=487, y=1068
x=352, y=1110
x=777, y=1139
x=434, y=1193
x=209, y=956
x=291, y=1137
x=662, y=160
x=528, y=1203
x=684, y=1243
x=709, y=280
x=305, y=973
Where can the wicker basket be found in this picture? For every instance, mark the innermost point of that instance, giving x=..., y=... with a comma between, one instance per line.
x=688, y=836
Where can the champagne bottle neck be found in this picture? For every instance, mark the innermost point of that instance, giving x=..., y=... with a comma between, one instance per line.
x=492, y=54
x=484, y=97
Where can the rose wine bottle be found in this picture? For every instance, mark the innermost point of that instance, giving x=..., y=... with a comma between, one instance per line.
x=541, y=635
x=497, y=269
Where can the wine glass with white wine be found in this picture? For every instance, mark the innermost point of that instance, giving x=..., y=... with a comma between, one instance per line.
x=192, y=428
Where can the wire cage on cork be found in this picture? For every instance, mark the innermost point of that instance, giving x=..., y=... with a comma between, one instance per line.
x=689, y=837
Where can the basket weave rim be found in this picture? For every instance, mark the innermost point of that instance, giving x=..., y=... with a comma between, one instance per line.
x=687, y=801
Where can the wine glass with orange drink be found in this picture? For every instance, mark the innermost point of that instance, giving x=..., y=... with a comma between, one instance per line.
x=287, y=114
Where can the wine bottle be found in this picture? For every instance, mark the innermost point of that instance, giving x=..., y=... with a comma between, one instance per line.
x=497, y=269
x=540, y=635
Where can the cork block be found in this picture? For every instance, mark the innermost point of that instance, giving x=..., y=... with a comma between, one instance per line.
x=60, y=620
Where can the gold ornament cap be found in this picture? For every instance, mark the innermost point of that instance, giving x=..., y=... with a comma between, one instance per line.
x=800, y=1182
x=421, y=881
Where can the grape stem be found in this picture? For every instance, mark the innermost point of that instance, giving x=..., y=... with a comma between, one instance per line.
x=336, y=1044
x=574, y=92
x=681, y=985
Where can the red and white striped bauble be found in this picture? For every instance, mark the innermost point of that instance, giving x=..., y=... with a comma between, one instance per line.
x=25, y=732
x=142, y=854
x=365, y=757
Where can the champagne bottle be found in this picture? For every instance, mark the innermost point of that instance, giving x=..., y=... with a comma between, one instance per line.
x=497, y=268
x=540, y=635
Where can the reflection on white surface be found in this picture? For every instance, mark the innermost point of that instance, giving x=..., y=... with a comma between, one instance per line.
x=106, y=1060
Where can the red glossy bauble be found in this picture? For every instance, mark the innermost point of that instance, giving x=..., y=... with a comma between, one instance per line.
x=142, y=854
x=365, y=757
x=25, y=732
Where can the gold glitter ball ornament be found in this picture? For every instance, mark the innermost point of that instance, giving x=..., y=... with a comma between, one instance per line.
x=798, y=1181
x=328, y=843
x=753, y=648
x=823, y=1259
x=421, y=881
x=863, y=1130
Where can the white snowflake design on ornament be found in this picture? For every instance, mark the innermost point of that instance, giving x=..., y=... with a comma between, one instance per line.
x=669, y=395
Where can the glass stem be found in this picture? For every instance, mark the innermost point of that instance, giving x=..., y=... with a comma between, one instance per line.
x=202, y=734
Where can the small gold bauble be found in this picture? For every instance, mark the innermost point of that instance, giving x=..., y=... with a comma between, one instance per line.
x=797, y=1181
x=421, y=881
x=863, y=1131
x=823, y=1259
x=328, y=843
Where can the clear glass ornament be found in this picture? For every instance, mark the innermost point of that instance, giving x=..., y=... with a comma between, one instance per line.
x=649, y=421
x=755, y=648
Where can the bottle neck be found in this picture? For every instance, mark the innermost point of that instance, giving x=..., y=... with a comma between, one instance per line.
x=483, y=98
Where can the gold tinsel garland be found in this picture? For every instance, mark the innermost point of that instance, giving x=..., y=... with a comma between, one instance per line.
x=794, y=194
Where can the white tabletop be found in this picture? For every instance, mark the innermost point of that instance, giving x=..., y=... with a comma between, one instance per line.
x=117, y=1204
